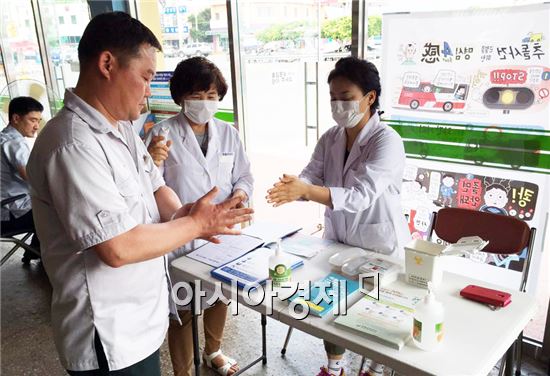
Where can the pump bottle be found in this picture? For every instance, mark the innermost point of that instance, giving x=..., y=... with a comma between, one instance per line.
x=428, y=327
x=279, y=267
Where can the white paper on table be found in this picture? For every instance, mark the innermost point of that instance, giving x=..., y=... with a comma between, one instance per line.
x=305, y=245
x=231, y=247
x=270, y=231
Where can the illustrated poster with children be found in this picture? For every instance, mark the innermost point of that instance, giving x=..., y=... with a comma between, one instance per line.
x=425, y=191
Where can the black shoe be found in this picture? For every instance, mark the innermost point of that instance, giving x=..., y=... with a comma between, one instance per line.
x=28, y=256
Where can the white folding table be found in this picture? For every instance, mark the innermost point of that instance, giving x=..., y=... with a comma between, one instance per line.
x=476, y=337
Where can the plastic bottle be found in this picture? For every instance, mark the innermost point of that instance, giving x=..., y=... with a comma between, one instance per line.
x=428, y=327
x=164, y=132
x=279, y=268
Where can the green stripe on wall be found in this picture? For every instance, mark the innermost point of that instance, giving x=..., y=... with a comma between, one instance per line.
x=513, y=148
x=227, y=116
x=490, y=138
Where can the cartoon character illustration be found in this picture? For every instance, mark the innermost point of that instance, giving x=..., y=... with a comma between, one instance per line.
x=496, y=195
x=460, y=93
x=532, y=37
x=446, y=190
x=478, y=78
x=408, y=52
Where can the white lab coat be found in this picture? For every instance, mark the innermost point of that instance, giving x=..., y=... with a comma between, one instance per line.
x=365, y=192
x=191, y=175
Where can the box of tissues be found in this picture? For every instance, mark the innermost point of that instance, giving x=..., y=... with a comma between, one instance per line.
x=423, y=258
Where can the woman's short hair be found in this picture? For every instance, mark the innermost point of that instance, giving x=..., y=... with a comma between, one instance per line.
x=360, y=72
x=196, y=74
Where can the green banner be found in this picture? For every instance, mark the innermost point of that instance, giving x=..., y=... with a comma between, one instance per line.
x=499, y=147
x=226, y=115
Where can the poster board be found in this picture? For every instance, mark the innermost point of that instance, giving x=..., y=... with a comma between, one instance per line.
x=487, y=68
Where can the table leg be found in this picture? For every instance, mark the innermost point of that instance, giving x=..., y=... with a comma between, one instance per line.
x=287, y=339
x=509, y=371
x=363, y=359
x=262, y=358
x=264, y=339
x=519, y=348
x=195, y=330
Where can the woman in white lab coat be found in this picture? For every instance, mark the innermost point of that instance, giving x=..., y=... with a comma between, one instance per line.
x=356, y=172
x=196, y=152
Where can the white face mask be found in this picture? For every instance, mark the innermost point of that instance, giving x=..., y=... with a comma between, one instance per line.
x=346, y=113
x=198, y=111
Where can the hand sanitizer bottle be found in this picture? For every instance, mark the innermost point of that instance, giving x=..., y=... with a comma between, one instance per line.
x=164, y=132
x=279, y=268
x=428, y=327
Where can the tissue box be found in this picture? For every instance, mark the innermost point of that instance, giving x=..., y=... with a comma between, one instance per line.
x=423, y=258
x=422, y=262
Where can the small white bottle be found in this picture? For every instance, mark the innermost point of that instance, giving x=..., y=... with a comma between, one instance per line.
x=428, y=327
x=164, y=132
x=279, y=268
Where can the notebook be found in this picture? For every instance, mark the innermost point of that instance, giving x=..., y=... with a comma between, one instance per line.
x=235, y=246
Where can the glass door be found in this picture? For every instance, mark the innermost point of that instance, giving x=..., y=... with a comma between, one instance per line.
x=287, y=49
x=21, y=58
x=63, y=24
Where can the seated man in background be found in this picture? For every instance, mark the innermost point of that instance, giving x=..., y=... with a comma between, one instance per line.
x=25, y=114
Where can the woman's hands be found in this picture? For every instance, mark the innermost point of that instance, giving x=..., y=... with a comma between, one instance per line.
x=242, y=195
x=289, y=188
x=159, y=149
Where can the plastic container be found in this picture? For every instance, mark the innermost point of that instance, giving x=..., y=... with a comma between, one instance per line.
x=164, y=132
x=339, y=259
x=279, y=268
x=428, y=326
x=353, y=266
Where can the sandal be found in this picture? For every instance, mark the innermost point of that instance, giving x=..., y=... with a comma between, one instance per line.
x=223, y=370
x=325, y=372
x=374, y=369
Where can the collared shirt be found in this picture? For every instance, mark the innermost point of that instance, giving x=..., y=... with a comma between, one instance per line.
x=89, y=183
x=14, y=154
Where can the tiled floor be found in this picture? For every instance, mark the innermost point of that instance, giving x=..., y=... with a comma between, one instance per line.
x=27, y=346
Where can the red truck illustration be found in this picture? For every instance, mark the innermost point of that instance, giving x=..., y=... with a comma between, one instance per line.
x=427, y=95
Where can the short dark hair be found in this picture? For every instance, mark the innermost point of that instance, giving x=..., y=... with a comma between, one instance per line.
x=196, y=74
x=23, y=105
x=116, y=32
x=360, y=72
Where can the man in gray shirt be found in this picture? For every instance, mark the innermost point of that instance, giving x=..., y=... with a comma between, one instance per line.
x=25, y=114
x=104, y=215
